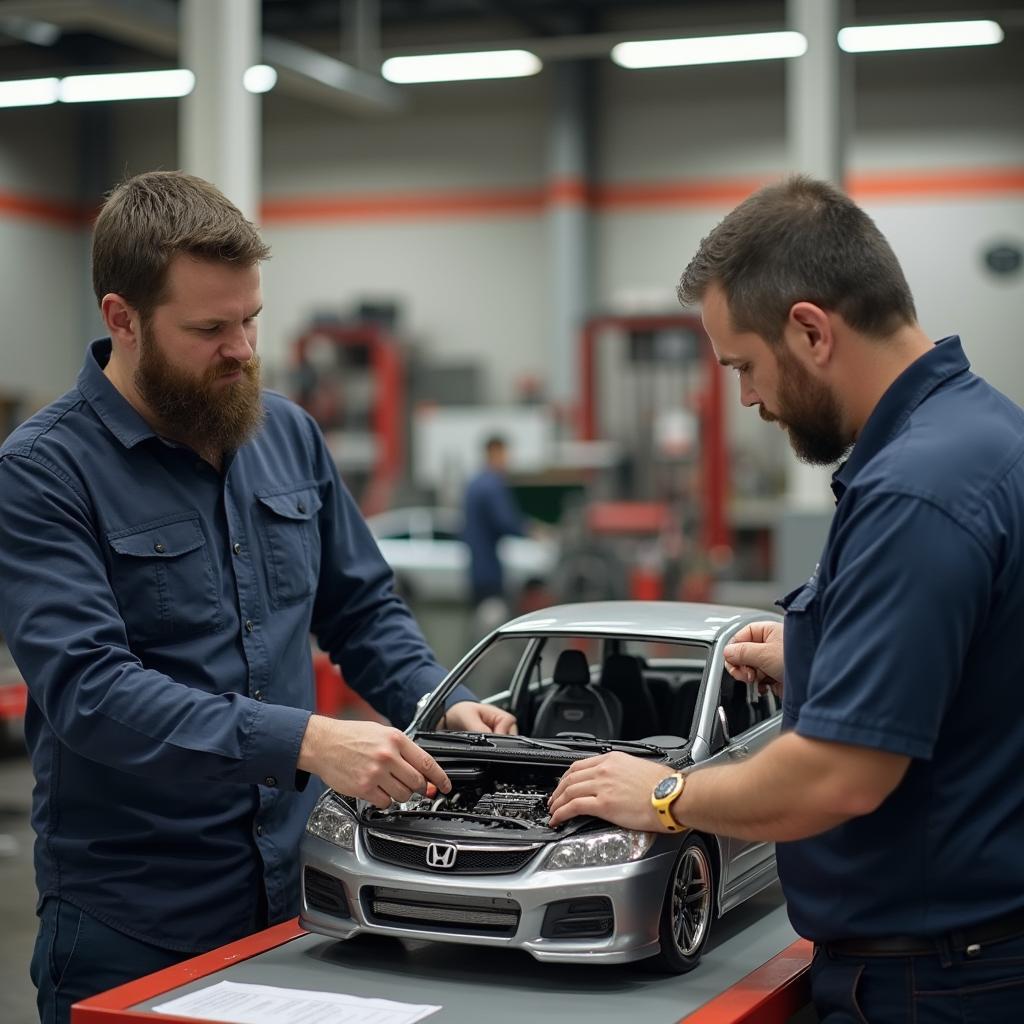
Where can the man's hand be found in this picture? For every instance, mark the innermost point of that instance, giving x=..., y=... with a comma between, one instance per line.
x=754, y=655
x=368, y=760
x=468, y=716
x=616, y=787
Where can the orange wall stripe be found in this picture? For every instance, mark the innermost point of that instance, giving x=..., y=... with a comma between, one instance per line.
x=720, y=193
x=65, y=215
x=383, y=207
x=966, y=182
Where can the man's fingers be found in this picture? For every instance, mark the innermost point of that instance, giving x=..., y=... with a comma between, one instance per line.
x=424, y=763
x=573, y=809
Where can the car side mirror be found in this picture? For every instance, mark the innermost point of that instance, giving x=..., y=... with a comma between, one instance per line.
x=720, y=736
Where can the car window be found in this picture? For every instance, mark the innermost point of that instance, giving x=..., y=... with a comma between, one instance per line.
x=440, y=534
x=492, y=672
x=744, y=707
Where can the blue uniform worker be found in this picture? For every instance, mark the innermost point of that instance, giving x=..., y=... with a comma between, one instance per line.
x=894, y=792
x=491, y=513
x=170, y=536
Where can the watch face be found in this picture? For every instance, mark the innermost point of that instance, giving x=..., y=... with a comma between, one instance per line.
x=665, y=787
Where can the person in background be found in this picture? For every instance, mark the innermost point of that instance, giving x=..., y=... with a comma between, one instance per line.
x=170, y=535
x=490, y=513
x=894, y=792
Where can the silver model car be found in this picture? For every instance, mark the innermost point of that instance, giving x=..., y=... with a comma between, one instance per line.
x=481, y=865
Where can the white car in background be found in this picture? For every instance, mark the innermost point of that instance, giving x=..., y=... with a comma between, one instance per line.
x=430, y=560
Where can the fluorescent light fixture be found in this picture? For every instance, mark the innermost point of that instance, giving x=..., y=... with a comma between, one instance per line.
x=664, y=53
x=461, y=67
x=136, y=85
x=926, y=36
x=259, y=78
x=29, y=92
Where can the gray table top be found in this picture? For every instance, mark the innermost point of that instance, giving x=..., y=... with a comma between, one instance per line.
x=508, y=986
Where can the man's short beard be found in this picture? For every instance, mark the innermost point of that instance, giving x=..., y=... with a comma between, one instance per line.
x=210, y=417
x=810, y=413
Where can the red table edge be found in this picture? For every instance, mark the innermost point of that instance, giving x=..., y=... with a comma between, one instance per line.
x=771, y=994
x=768, y=995
x=114, y=1004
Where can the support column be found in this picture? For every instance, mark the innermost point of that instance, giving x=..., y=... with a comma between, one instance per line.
x=570, y=148
x=219, y=126
x=818, y=95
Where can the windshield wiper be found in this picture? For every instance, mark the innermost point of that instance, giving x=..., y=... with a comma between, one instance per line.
x=476, y=738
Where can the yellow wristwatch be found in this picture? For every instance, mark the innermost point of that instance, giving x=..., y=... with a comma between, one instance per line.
x=662, y=796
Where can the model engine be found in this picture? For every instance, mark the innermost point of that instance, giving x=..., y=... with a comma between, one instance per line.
x=480, y=800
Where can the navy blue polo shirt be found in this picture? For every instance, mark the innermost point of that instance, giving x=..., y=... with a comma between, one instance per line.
x=160, y=613
x=907, y=639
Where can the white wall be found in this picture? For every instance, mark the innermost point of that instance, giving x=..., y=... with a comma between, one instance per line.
x=41, y=258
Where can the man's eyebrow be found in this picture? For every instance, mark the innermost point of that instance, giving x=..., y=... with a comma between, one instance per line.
x=729, y=361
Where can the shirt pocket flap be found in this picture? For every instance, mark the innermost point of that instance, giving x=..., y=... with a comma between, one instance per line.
x=303, y=503
x=165, y=541
x=801, y=599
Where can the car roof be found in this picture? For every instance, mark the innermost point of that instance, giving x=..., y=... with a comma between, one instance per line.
x=675, y=620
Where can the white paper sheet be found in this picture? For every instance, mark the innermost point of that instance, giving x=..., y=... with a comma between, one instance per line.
x=232, y=1002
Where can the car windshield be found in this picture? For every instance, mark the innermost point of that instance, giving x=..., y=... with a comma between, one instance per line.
x=604, y=687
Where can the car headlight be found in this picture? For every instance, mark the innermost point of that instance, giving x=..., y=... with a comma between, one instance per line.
x=619, y=847
x=332, y=820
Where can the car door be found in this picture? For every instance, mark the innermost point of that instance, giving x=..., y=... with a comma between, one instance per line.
x=750, y=722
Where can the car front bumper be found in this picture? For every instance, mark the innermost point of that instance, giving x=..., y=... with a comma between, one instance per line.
x=635, y=890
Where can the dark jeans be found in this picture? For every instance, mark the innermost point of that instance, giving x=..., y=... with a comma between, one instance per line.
x=76, y=956
x=946, y=987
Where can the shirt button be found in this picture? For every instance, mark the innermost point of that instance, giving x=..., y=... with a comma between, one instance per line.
x=258, y=695
x=249, y=627
x=159, y=548
x=270, y=781
x=237, y=548
x=302, y=507
x=259, y=830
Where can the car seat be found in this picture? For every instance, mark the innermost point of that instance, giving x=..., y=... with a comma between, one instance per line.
x=622, y=675
x=575, y=704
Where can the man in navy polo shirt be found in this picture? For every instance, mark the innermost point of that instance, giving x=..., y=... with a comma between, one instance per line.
x=170, y=535
x=895, y=792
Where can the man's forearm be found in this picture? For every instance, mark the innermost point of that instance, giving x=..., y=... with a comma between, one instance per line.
x=792, y=789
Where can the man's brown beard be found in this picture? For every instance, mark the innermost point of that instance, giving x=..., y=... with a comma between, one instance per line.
x=809, y=413
x=210, y=417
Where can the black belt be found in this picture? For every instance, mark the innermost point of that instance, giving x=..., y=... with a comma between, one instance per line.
x=968, y=940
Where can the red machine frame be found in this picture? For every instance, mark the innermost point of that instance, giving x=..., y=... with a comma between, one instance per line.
x=714, y=456
x=387, y=417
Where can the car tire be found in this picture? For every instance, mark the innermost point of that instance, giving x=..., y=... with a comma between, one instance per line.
x=688, y=909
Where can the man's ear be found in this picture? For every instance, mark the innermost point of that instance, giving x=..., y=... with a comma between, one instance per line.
x=122, y=320
x=809, y=333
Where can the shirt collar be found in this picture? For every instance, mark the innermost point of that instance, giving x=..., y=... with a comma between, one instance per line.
x=902, y=397
x=116, y=412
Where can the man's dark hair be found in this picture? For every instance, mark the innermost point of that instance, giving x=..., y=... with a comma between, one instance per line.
x=494, y=443
x=153, y=217
x=801, y=240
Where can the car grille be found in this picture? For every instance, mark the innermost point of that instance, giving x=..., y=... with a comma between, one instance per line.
x=472, y=915
x=325, y=894
x=469, y=860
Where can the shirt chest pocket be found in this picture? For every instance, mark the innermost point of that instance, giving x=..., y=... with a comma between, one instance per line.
x=290, y=532
x=801, y=632
x=163, y=580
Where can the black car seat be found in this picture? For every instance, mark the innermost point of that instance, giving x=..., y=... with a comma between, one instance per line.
x=738, y=712
x=622, y=675
x=575, y=704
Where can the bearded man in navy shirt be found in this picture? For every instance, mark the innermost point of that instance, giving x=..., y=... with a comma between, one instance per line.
x=894, y=792
x=170, y=536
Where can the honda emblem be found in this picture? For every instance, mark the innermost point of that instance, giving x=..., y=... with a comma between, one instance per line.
x=441, y=855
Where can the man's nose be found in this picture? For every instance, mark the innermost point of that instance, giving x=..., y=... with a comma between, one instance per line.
x=238, y=345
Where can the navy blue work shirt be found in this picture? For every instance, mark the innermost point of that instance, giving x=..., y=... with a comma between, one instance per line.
x=161, y=613
x=907, y=639
x=491, y=513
